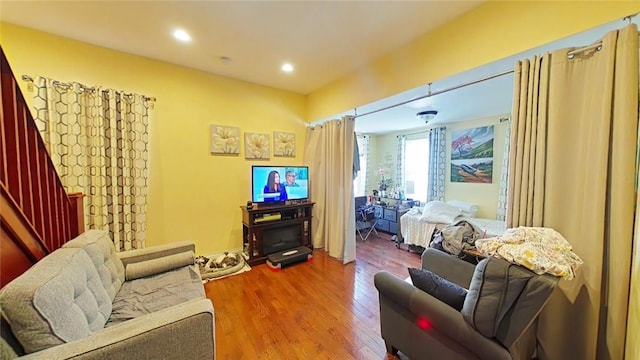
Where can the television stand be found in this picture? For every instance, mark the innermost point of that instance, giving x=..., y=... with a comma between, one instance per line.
x=270, y=229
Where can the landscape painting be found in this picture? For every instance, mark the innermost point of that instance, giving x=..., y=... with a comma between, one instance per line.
x=472, y=155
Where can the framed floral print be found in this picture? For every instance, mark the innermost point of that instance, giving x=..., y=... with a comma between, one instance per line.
x=225, y=140
x=256, y=146
x=284, y=144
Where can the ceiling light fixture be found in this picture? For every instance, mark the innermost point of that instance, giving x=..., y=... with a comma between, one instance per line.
x=286, y=67
x=427, y=115
x=181, y=35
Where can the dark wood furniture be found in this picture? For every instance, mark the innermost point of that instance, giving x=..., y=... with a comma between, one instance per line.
x=263, y=219
x=37, y=215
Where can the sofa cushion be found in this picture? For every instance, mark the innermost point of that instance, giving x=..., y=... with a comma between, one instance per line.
x=99, y=246
x=438, y=287
x=60, y=299
x=495, y=287
x=150, y=294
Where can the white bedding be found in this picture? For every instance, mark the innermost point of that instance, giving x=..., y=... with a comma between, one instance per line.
x=417, y=231
x=489, y=227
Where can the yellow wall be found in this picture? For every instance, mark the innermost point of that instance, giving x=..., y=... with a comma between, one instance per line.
x=490, y=32
x=193, y=195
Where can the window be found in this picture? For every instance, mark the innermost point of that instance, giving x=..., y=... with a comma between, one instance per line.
x=359, y=183
x=416, y=168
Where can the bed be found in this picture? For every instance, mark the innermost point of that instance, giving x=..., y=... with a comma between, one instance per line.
x=416, y=229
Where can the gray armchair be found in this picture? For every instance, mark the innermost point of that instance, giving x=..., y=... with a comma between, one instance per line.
x=497, y=321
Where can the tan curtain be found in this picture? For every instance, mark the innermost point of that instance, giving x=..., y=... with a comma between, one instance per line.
x=329, y=154
x=98, y=142
x=633, y=318
x=573, y=169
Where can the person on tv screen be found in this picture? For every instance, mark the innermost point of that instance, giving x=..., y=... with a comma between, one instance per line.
x=274, y=191
x=291, y=179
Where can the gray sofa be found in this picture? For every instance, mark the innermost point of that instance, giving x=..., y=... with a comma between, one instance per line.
x=85, y=301
x=497, y=319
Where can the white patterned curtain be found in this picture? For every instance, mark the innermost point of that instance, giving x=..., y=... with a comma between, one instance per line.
x=401, y=144
x=503, y=193
x=360, y=182
x=98, y=141
x=437, y=149
x=366, y=149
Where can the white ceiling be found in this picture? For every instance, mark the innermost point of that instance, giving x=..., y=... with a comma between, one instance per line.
x=325, y=40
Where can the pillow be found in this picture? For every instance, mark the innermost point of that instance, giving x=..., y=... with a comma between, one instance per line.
x=469, y=214
x=468, y=209
x=440, y=212
x=438, y=287
x=155, y=266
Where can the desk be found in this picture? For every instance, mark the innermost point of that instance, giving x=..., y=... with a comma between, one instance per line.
x=388, y=218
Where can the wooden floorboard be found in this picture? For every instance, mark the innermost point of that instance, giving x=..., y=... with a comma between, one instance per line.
x=312, y=310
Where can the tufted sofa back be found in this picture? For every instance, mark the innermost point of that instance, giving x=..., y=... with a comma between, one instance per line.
x=60, y=299
x=98, y=245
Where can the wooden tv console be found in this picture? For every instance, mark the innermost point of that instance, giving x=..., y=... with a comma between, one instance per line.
x=263, y=218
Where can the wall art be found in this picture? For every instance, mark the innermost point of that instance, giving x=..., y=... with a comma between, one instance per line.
x=256, y=146
x=472, y=155
x=284, y=144
x=225, y=140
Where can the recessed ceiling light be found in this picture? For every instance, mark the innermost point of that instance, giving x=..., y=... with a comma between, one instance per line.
x=181, y=35
x=286, y=67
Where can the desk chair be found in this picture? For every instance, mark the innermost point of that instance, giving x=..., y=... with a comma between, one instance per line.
x=365, y=222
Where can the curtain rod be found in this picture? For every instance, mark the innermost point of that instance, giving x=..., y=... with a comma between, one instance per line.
x=418, y=132
x=29, y=79
x=430, y=94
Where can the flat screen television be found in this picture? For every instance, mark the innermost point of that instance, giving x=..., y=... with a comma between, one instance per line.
x=293, y=183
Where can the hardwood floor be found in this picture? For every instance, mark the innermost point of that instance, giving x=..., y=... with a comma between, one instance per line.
x=312, y=310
